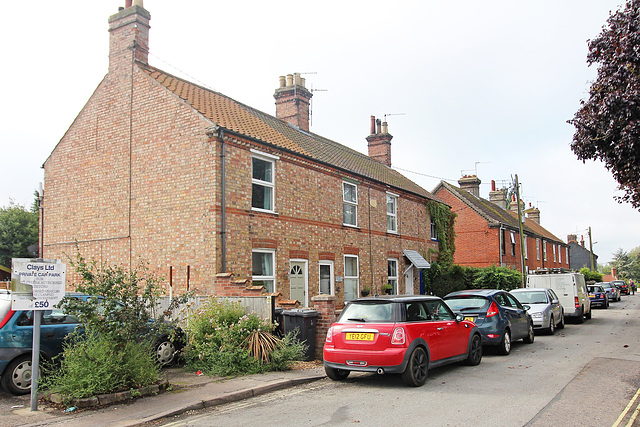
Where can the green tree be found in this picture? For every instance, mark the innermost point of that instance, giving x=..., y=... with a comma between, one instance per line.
x=18, y=231
x=608, y=123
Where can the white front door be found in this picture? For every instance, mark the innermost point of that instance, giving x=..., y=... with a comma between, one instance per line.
x=298, y=281
x=408, y=280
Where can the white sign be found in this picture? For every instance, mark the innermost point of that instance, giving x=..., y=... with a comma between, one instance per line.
x=37, y=284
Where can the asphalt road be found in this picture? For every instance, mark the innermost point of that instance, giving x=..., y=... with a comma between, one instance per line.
x=584, y=375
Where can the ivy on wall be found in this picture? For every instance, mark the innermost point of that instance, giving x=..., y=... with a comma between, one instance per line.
x=444, y=220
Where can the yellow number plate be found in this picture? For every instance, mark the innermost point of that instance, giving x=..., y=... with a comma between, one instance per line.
x=469, y=319
x=359, y=336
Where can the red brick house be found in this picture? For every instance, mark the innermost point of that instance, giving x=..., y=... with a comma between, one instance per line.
x=487, y=233
x=159, y=169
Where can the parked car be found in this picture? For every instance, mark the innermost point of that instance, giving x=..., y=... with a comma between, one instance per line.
x=16, y=342
x=612, y=291
x=498, y=314
x=620, y=284
x=598, y=296
x=570, y=288
x=399, y=334
x=545, y=308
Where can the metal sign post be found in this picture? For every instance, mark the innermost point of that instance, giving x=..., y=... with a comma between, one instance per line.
x=36, y=284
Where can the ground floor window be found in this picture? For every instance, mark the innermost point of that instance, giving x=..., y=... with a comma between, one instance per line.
x=351, y=277
x=392, y=273
x=326, y=277
x=263, y=262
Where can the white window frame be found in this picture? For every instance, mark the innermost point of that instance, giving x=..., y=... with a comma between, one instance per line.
x=269, y=158
x=356, y=277
x=434, y=230
x=567, y=254
x=559, y=254
x=332, y=290
x=395, y=290
x=265, y=278
x=393, y=216
x=555, y=256
x=350, y=203
x=526, y=250
x=538, y=249
x=513, y=243
x=544, y=250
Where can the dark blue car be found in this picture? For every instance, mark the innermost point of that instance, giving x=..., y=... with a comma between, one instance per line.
x=499, y=316
x=16, y=341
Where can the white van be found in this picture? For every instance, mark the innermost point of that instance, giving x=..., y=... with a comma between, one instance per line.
x=570, y=288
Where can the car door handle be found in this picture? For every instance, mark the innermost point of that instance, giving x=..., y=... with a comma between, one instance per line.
x=439, y=329
x=48, y=335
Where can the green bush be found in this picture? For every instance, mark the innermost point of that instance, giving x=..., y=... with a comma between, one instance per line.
x=591, y=275
x=95, y=364
x=495, y=277
x=218, y=342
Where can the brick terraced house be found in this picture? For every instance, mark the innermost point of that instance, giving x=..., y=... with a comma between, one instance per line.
x=487, y=233
x=198, y=185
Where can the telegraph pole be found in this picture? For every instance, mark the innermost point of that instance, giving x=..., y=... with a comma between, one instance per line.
x=524, y=266
x=593, y=267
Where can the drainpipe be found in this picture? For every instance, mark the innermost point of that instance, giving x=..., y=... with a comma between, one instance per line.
x=223, y=232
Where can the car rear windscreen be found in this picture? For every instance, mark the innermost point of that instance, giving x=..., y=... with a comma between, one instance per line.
x=533, y=297
x=367, y=312
x=467, y=303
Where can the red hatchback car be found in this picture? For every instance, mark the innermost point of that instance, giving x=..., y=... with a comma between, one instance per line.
x=399, y=334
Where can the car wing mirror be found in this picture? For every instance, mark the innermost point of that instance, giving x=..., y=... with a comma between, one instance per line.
x=555, y=301
x=459, y=318
x=526, y=306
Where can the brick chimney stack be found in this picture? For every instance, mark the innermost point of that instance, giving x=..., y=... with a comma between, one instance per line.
x=292, y=101
x=533, y=214
x=129, y=33
x=470, y=183
x=379, y=141
x=572, y=238
x=498, y=197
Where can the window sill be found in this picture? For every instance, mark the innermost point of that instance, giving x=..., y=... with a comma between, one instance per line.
x=264, y=211
x=351, y=226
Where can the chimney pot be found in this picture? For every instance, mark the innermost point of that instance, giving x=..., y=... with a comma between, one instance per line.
x=127, y=3
x=493, y=185
x=373, y=125
x=378, y=126
x=385, y=127
x=289, y=79
x=282, y=81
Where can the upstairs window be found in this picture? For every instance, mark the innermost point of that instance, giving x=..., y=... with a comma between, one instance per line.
x=392, y=216
x=538, y=249
x=555, y=259
x=262, y=173
x=526, y=250
x=513, y=244
x=434, y=230
x=544, y=250
x=349, y=204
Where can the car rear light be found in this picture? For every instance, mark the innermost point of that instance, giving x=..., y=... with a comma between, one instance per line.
x=577, y=302
x=398, y=337
x=493, y=310
x=329, y=337
x=6, y=318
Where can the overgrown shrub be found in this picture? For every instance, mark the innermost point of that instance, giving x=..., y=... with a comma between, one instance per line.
x=591, y=275
x=219, y=342
x=112, y=350
x=442, y=279
x=95, y=364
x=495, y=277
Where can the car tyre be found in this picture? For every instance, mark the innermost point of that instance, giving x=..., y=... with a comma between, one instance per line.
x=475, y=351
x=165, y=351
x=16, y=378
x=580, y=318
x=552, y=326
x=588, y=315
x=561, y=324
x=336, y=374
x=505, y=345
x=415, y=374
x=606, y=304
x=531, y=336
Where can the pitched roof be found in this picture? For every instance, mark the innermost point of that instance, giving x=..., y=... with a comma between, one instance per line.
x=495, y=215
x=239, y=118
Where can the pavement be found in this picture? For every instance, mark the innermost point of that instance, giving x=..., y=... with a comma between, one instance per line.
x=187, y=391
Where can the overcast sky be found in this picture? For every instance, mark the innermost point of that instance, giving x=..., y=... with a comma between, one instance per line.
x=470, y=86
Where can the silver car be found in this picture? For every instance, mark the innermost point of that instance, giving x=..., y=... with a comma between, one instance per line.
x=612, y=291
x=544, y=307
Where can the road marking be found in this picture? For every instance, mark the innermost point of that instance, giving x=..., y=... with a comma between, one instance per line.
x=624, y=413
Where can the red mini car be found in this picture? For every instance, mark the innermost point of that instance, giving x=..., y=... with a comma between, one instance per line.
x=399, y=334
